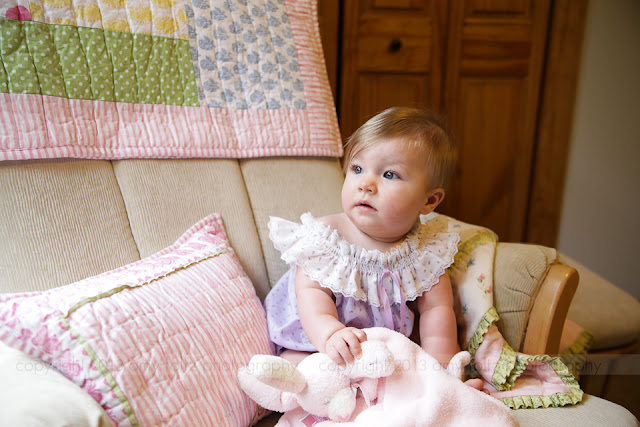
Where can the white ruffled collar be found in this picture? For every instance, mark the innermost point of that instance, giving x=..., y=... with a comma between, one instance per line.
x=353, y=271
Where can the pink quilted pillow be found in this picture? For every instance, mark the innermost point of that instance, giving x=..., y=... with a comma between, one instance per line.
x=157, y=341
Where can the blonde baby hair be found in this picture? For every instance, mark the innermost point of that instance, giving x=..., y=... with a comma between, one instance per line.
x=418, y=127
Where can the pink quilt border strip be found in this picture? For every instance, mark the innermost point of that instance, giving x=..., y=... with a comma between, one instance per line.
x=36, y=126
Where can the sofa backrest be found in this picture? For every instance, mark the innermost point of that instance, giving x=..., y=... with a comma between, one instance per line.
x=64, y=220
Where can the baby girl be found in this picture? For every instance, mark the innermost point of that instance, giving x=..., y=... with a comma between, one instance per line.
x=360, y=267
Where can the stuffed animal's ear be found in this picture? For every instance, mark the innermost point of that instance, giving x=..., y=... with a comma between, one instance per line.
x=457, y=364
x=277, y=372
x=266, y=377
x=265, y=395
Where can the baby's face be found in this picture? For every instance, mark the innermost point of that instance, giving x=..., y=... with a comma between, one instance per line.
x=386, y=188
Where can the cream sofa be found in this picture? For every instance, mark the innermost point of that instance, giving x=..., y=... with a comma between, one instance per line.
x=64, y=220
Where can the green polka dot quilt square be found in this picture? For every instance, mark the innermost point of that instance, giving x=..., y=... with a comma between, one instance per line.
x=113, y=79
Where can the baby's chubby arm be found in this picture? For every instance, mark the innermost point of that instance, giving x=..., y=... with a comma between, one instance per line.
x=438, y=333
x=319, y=319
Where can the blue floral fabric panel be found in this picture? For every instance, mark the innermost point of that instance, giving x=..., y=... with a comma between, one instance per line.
x=244, y=55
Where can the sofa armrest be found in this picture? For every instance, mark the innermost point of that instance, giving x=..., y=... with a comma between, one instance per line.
x=549, y=310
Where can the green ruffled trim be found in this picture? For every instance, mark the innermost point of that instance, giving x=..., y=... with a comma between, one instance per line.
x=465, y=248
x=487, y=320
x=571, y=397
x=507, y=369
x=503, y=376
x=575, y=356
x=582, y=344
x=511, y=365
x=64, y=318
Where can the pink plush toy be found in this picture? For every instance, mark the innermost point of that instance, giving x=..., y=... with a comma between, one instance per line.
x=395, y=382
x=317, y=385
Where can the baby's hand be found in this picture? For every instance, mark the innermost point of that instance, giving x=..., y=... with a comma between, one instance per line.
x=344, y=345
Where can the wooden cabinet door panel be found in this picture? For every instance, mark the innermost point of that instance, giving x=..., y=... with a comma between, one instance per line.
x=391, y=55
x=379, y=91
x=495, y=58
x=485, y=184
x=378, y=54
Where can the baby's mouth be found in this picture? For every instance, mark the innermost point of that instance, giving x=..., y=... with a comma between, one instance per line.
x=365, y=206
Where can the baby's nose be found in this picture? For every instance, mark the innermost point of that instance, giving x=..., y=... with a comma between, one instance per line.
x=367, y=184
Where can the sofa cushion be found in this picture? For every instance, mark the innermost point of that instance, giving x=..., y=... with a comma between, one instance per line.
x=591, y=412
x=157, y=341
x=608, y=312
x=62, y=221
x=164, y=197
x=288, y=187
x=519, y=271
x=34, y=394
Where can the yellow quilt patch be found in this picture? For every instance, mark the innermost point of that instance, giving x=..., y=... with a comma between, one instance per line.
x=166, y=18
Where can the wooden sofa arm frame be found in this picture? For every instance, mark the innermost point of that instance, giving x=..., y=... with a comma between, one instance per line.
x=549, y=310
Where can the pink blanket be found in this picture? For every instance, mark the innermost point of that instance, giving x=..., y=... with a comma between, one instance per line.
x=418, y=392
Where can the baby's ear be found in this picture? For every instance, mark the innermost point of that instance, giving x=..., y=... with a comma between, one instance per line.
x=435, y=196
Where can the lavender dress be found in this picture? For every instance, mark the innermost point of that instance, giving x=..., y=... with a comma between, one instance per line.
x=371, y=287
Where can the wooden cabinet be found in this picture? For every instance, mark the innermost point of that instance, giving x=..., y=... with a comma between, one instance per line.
x=392, y=54
x=485, y=65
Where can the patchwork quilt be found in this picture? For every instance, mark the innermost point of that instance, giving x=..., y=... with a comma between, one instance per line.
x=117, y=79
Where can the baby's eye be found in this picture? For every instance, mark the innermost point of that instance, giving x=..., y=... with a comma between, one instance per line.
x=390, y=175
x=356, y=169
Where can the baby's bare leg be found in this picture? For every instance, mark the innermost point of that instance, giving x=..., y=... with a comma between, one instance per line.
x=294, y=356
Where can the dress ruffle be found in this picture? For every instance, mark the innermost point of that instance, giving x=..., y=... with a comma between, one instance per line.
x=353, y=271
